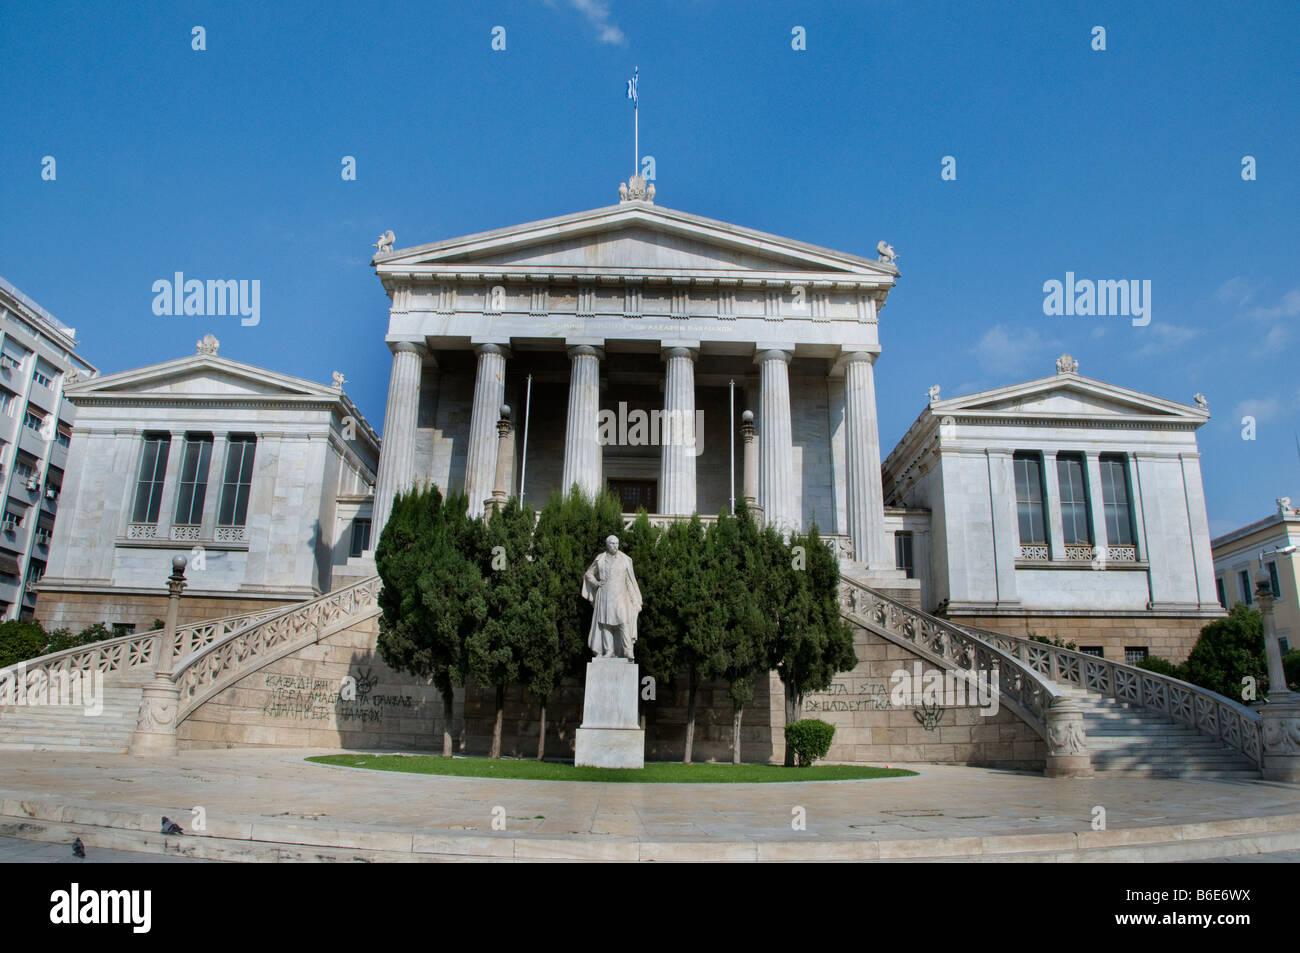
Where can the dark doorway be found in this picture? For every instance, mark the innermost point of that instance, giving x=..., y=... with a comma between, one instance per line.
x=635, y=493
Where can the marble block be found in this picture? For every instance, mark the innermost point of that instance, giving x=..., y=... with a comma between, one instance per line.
x=610, y=736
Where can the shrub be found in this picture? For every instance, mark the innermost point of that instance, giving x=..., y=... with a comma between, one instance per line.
x=20, y=641
x=1162, y=666
x=1291, y=665
x=1229, y=650
x=61, y=640
x=1070, y=646
x=809, y=739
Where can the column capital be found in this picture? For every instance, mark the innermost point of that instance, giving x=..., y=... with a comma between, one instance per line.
x=676, y=350
x=586, y=350
x=409, y=347
x=489, y=348
x=784, y=355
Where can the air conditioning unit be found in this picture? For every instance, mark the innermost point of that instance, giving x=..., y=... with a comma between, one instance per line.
x=51, y=494
x=33, y=485
x=8, y=526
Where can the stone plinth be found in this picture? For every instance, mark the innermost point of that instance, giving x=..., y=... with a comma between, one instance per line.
x=610, y=736
x=1282, y=738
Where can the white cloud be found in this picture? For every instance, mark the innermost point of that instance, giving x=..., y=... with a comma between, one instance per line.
x=1288, y=307
x=598, y=15
x=1236, y=292
x=1261, y=410
x=1006, y=352
x=1165, y=337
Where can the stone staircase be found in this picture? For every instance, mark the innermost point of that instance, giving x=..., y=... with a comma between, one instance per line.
x=1125, y=739
x=69, y=727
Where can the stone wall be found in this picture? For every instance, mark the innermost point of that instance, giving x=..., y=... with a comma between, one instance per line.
x=295, y=702
x=869, y=727
x=1171, y=638
x=77, y=610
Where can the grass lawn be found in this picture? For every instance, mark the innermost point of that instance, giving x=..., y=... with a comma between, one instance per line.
x=655, y=772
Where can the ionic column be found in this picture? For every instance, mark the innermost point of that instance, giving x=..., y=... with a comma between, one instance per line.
x=749, y=433
x=397, y=452
x=678, y=439
x=776, y=450
x=582, y=459
x=489, y=394
x=866, y=498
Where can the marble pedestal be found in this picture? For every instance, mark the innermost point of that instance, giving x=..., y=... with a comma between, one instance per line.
x=611, y=735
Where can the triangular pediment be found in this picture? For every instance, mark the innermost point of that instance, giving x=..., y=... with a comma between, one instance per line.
x=1068, y=396
x=632, y=237
x=200, y=375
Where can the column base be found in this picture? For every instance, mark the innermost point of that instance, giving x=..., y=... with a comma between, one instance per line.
x=1282, y=739
x=155, y=732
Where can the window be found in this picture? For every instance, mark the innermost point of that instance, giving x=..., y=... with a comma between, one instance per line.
x=903, y=554
x=149, y=484
x=360, y=537
x=25, y=471
x=123, y=628
x=35, y=571
x=7, y=399
x=1029, y=498
x=1115, y=501
x=1273, y=582
x=194, y=479
x=11, y=358
x=1074, y=499
x=33, y=421
x=1218, y=588
x=1093, y=650
x=41, y=378
x=64, y=435
x=1135, y=653
x=1243, y=577
x=237, y=482
x=13, y=519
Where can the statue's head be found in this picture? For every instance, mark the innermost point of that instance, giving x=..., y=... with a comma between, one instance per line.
x=611, y=544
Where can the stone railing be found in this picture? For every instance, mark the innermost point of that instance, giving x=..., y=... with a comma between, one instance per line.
x=219, y=663
x=1021, y=688
x=135, y=651
x=1211, y=714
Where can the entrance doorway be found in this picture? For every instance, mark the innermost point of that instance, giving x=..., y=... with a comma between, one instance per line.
x=635, y=493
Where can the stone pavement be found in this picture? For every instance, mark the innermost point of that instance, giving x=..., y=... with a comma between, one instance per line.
x=271, y=804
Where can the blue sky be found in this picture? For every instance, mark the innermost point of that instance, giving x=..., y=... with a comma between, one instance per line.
x=1116, y=164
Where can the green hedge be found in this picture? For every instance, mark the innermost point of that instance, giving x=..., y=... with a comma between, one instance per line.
x=809, y=739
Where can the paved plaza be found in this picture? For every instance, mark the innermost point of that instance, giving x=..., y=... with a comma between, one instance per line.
x=270, y=804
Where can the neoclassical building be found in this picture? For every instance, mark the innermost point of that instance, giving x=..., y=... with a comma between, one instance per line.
x=263, y=481
x=1064, y=507
x=608, y=334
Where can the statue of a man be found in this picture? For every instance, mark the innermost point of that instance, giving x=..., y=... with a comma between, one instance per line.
x=610, y=586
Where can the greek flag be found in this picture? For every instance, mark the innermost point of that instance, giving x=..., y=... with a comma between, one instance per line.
x=631, y=86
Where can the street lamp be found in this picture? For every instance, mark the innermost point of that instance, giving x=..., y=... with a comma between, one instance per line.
x=1272, y=651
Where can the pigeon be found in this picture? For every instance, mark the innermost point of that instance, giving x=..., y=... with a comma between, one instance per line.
x=171, y=827
x=78, y=848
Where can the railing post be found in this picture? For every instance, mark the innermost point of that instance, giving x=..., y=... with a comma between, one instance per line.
x=155, y=729
x=1281, y=714
x=1067, y=743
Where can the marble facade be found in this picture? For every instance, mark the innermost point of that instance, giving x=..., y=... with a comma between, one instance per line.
x=308, y=483
x=638, y=308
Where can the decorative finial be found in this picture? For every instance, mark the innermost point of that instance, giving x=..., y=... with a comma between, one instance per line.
x=1283, y=505
x=1066, y=365
x=886, y=252
x=385, y=242
x=339, y=380
x=934, y=393
x=1201, y=402
x=208, y=345
x=71, y=376
x=634, y=190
